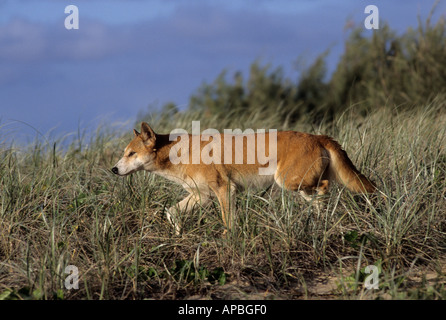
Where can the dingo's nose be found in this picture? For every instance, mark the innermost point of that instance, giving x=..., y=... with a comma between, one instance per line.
x=115, y=170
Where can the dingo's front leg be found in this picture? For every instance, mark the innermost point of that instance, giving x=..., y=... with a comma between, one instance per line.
x=186, y=205
x=226, y=197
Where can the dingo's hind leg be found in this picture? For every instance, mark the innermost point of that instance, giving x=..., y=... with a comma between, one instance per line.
x=314, y=194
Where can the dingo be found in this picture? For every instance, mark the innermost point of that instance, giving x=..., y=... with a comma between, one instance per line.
x=299, y=162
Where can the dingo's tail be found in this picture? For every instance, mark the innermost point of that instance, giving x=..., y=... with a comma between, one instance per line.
x=343, y=170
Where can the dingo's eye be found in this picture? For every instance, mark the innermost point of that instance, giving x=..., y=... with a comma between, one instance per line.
x=131, y=153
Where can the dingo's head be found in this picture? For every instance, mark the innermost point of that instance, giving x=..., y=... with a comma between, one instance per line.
x=139, y=154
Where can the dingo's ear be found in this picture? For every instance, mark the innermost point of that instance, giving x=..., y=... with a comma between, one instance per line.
x=136, y=133
x=147, y=134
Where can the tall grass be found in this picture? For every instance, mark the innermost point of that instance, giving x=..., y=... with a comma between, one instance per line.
x=63, y=207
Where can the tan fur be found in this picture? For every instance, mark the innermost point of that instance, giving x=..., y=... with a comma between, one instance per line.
x=305, y=163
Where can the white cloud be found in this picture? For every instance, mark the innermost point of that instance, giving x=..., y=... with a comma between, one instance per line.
x=22, y=41
x=33, y=42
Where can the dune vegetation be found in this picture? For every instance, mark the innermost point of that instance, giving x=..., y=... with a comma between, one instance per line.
x=61, y=206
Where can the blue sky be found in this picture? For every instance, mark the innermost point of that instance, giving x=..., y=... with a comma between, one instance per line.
x=129, y=55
